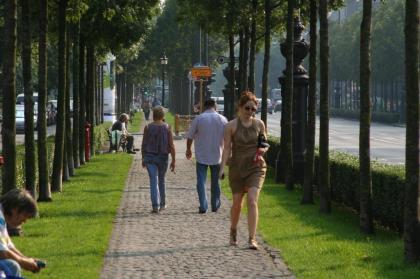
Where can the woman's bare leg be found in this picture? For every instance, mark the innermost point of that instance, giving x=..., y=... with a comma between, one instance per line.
x=252, y=199
x=235, y=210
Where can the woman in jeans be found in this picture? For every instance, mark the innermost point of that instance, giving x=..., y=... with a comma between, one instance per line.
x=155, y=149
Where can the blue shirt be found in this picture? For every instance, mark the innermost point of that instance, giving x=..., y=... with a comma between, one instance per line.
x=207, y=132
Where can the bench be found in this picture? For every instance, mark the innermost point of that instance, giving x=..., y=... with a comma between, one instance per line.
x=116, y=140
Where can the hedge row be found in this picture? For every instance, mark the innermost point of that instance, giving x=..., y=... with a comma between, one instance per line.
x=383, y=117
x=387, y=185
x=100, y=139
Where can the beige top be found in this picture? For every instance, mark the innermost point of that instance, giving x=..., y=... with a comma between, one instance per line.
x=244, y=146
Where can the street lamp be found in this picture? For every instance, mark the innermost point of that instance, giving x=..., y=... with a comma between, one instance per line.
x=163, y=62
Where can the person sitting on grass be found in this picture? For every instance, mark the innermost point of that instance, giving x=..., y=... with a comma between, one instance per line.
x=16, y=206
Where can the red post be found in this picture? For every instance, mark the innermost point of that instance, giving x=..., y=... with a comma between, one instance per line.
x=1, y=160
x=87, y=142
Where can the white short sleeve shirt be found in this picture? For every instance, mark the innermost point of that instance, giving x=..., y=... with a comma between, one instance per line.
x=207, y=132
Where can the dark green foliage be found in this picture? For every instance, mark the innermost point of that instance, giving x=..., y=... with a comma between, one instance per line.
x=387, y=44
x=383, y=117
x=387, y=185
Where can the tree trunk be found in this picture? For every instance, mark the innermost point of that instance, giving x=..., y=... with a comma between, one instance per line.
x=43, y=175
x=366, y=214
x=267, y=49
x=411, y=204
x=324, y=169
x=240, y=64
x=8, y=132
x=57, y=174
x=253, y=48
x=230, y=102
x=244, y=77
x=69, y=143
x=29, y=102
x=76, y=98
x=82, y=99
x=90, y=93
x=307, y=191
x=287, y=152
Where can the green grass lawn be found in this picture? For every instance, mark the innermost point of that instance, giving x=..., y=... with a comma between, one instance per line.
x=134, y=127
x=318, y=246
x=73, y=231
x=170, y=119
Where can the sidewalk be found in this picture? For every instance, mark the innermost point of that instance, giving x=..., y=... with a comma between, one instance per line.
x=179, y=242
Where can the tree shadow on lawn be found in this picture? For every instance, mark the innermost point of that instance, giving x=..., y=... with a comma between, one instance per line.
x=382, y=252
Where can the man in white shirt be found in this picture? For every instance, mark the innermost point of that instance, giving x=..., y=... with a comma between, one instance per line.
x=207, y=133
x=16, y=207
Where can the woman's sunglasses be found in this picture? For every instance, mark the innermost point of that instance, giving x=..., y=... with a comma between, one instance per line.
x=253, y=109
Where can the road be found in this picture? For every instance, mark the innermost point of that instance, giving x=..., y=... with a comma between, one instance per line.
x=20, y=136
x=387, y=141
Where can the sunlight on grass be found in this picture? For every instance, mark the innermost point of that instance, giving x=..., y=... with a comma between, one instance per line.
x=319, y=246
x=170, y=119
x=134, y=126
x=73, y=231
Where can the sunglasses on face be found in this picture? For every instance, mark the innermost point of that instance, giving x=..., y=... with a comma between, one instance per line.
x=253, y=109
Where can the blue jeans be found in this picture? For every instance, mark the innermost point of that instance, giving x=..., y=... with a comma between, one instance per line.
x=157, y=165
x=10, y=267
x=201, y=170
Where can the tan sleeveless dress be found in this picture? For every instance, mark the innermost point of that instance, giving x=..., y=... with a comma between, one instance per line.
x=243, y=172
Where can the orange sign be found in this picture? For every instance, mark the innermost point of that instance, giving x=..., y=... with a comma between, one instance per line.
x=203, y=71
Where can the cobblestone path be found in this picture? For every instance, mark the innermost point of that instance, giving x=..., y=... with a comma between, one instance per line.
x=179, y=242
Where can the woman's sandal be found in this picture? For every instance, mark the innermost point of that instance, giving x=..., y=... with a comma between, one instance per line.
x=233, y=237
x=252, y=243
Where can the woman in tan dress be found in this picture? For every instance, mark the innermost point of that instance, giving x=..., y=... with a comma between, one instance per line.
x=246, y=165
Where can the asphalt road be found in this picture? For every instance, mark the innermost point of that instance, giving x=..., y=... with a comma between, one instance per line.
x=387, y=141
x=20, y=136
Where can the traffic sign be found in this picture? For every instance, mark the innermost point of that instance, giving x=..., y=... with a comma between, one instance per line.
x=202, y=71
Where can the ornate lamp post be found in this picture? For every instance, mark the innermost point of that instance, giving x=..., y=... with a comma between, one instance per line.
x=163, y=62
x=300, y=98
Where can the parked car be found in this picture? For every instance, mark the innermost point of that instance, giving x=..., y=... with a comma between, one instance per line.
x=220, y=103
x=51, y=113
x=270, y=108
x=20, y=118
x=20, y=99
x=277, y=105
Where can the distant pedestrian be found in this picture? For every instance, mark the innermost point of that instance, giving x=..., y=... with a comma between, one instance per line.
x=121, y=125
x=155, y=102
x=207, y=133
x=155, y=149
x=146, y=109
x=16, y=206
x=247, y=167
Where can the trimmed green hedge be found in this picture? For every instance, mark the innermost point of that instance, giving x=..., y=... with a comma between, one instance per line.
x=383, y=117
x=387, y=185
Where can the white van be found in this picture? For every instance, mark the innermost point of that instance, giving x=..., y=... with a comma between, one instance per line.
x=20, y=99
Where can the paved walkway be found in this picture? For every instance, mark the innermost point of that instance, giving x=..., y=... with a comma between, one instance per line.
x=179, y=242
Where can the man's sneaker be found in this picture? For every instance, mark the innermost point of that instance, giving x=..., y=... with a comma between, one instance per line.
x=131, y=152
x=201, y=211
x=155, y=210
x=162, y=208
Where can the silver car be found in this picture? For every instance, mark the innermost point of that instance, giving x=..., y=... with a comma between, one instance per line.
x=20, y=118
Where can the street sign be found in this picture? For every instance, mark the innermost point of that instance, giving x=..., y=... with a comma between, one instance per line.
x=202, y=71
